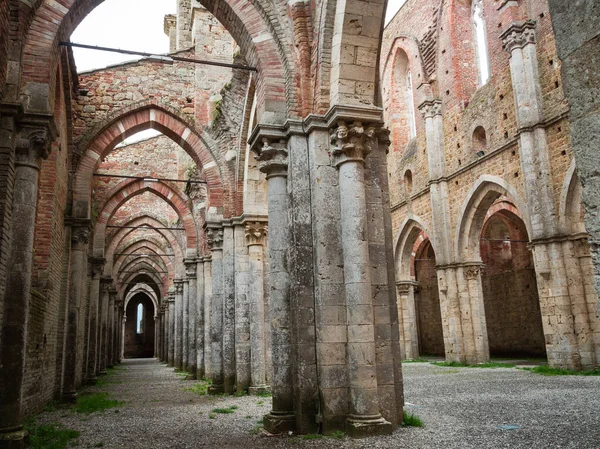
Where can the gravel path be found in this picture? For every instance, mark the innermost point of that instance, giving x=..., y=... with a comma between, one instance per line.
x=461, y=408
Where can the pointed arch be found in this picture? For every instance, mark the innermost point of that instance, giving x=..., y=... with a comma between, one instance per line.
x=145, y=289
x=474, y=211
x=410, y=230
x=154, y=252
x=570, y=211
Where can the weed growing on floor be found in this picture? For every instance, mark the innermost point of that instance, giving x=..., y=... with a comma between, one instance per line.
x=248, y=417
x=99, y=444
x=260, y=402
x=225, y=411
x=263, y=394
x=548, y=371
x=312, y=436
x=337, y=434
x=51, y=406
x=410, y=420
x=212, y=416
x=241, y=393
x=479, y=365
x=95, y=402
x=256, y=429
x=415, y=361
x=49, y=436
x=200, y=388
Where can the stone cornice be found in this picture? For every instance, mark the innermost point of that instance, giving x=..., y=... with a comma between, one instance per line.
x=245, y=218
x=518, y=35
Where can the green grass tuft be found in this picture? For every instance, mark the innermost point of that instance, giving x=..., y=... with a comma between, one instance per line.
x=51, y=406
x=95, y=402
x=479, y=365
x=410, y=420
x=49, y=436
x=415, y=361
x=200, y=388
x=312, y=436
x=545, y=370
x=224, y=411
x=212, y=416
x=337, y=434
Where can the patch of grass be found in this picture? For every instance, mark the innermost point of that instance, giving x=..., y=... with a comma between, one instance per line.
x=337, y=434
x=312, y=436
x=51, y=406
x=256, y=429
x=410, y=420
x=212, y=416
x=200, y=388
x=248, y=416
x=263, y=394
x=99, y=444
x=234, y=407
x=479, y=365
x=241, y=393
x=49, y=436
x=545, y=370
x=260, y=402
x=224, y=411
x=415, y=361
x=95, y=402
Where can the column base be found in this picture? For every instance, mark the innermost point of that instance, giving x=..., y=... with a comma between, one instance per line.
x=367, y=426
x=91, y=380
x=259, y=390
x=279, y=422
x=216, y=389
x=69, y=397
x=15, y=438
x=190, y=376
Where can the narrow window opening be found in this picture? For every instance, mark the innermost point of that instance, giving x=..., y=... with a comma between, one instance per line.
x=479, y=141
x=410, y=100
x=483, y=59
x=408, y=182
x=140, y=319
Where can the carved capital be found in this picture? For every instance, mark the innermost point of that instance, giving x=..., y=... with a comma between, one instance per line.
x=214, y=238
x=272, y=157
x=190, y=268
x=32, y=145
x=472, y=272
x=80, y=236
x=352, y=142
x=431, y=108
x=256, y=233
x=178, y=286
x=403, y=287
x=518, y=35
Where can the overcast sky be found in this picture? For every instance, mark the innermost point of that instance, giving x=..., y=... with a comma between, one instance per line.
x=123, y=24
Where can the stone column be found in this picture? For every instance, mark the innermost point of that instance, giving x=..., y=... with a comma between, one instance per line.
x=273, y=161
x=214, y=238
x=32, y=146
x=408, y=319
x=103, y=325
x=200, y=369
x=171, y=360
x=353, y=144
x=208, y=316
x=256, y=233
x=93, y=331
x=190, y=265
x=122, y=337
x=185, y=325
x=118, y=319
x=228, y=310
x=242, y=310
x=178, y=321
x=112, y=299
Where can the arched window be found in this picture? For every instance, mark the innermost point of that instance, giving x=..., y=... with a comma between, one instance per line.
x=408, y=182
x=481, y=47
x=139, y=319
x=410, y=101
x=479, y=141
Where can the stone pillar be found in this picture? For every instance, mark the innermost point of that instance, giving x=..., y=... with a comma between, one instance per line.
x=214, y=238
x=228, y=310
x=122, y=337
x=242, y=310
x=117, y=324
x=184, y=24
x=273, y=161
x=200, y=369
x=178, y=322
x=103, y=325
x=208, y=317
x=171, y=337
x=112, y=303
x=93, y=332
x=32, y=146
x=185, y=325
x=190, y=265
x=353, y=143
x=408, y=319
x=256, y=233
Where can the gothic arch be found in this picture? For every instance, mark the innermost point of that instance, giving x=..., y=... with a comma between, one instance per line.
x=124, y=283
x=569, y=214
x=410, y=230
x=129, y=189
x=100, y=143
x=474, y=211
x=147, y=290
x=248, y=22
x=154, y=252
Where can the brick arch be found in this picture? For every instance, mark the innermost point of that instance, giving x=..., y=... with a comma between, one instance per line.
x=129, y=189
x=419, y=246
x=161, y=288
x=411, y=230
x=102, y=140
x=249, y=23
x=149, y=247
x=474, y=211
x=155, y=263
x=126, y=279
x=409, y=45
x=145, y=219
x=146, y=290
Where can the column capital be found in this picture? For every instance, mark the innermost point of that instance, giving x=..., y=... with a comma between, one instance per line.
x=256, y=233
x=178, y=286
x=272, y=156
x=352, y=142
x=34, y=139
x=214, y=238
x=80, y=231
x=190, y=268
x=404, y=286
x=97, y=266
x=518, y=35
x=472, y=272
x=431, y=108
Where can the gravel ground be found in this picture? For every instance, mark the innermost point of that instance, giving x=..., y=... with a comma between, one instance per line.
x=461, y=408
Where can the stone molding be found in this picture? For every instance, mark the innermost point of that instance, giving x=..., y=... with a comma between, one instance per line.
x=256, y=233
x=404, y=286
x=80, y=230
x=214, y=238
x=190, y=268
x=32, y=145
x=431, y=108
x=97, y=266
x=178, y=286
x=472, y=272
x=272, y=157
x=352, y=143
x=518, y=35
